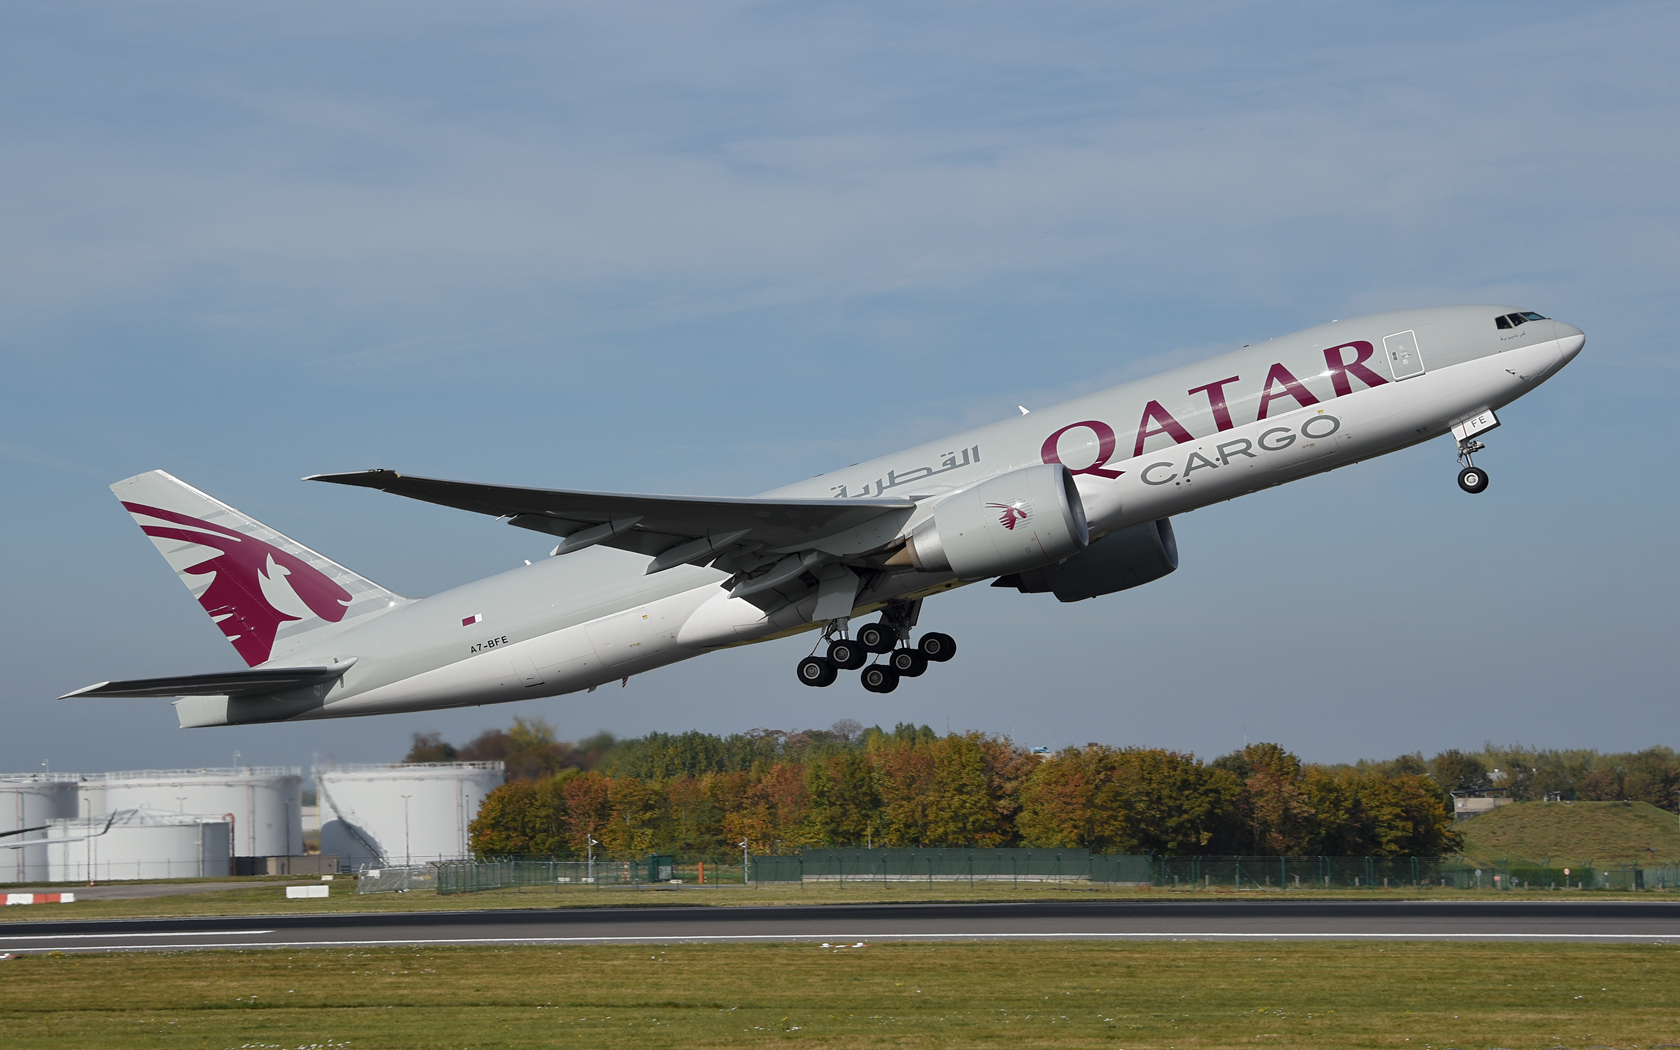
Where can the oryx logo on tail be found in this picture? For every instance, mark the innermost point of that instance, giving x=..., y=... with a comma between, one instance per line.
x=255, y=587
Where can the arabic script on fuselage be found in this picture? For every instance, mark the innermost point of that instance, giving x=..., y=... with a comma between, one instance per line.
x=895, y=478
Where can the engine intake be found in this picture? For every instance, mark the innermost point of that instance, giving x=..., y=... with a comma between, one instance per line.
x=1021, y=520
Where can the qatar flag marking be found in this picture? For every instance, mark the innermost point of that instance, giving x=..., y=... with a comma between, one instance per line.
x=474, y=618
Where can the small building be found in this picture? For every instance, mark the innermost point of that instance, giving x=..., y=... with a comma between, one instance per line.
x=1467, y=804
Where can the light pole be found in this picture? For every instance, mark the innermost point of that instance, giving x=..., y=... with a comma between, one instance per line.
x=408, y=855
x=88, y=833
x=181, y=803
x=743, y=863
x=591, y=863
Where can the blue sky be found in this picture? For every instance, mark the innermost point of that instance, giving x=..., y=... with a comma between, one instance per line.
x=717, y=248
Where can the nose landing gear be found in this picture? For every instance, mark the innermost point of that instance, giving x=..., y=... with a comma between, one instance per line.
x=891, y=637
x=1472, y=478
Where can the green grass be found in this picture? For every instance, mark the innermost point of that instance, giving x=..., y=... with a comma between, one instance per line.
x=1182, y=995
x=269, y=898
x=1575, y=834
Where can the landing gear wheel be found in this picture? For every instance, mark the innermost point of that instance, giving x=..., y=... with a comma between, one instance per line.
x=846, y=654
x=817, y=671
x=1472, y=479
x=879, y=678
x=908, y=663
x=937, y=647
x=876, y=638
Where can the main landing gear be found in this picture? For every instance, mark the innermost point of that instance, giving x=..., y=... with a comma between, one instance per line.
x=1472, y=478
x=891, y=638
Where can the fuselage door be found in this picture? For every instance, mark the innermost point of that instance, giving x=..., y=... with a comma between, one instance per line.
x=526, y=668
x=1404, y=358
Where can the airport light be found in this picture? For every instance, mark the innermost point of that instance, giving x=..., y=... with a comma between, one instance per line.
x=408, y=855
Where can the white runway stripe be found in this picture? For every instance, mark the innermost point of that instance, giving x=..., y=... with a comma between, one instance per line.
x=8, y=937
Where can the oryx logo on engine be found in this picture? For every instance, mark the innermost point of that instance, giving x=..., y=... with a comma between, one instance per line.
x=1017, y=513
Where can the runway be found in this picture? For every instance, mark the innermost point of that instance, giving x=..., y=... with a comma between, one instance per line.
x=1556, y=921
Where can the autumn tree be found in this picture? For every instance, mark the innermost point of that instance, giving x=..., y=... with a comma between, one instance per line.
x=772, y=810
x=843, y=804
x=588, y=808
x=523, y=818
x=1061, y=807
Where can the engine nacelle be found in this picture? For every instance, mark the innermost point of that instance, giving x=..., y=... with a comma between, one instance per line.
x=1128, y=558
x=1020, y=520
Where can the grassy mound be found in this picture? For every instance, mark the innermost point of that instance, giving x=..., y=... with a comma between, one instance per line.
x=1605, y=834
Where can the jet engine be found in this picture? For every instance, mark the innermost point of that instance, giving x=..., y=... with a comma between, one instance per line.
x=1128, y=558
x=1020, y=520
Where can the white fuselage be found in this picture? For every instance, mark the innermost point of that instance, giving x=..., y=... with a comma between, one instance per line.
x=1147, y=450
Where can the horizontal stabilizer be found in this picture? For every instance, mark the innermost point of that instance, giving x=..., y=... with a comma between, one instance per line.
x=262, y=682
x=652, y=525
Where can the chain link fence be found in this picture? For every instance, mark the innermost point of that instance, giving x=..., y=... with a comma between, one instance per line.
x=472, y=876
x=1013, y=866
x=399, y=879
x=1017, y=867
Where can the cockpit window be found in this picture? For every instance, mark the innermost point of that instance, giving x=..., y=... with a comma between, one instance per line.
x=1512, y=320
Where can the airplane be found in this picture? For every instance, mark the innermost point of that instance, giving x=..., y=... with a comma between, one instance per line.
x=1075, y=501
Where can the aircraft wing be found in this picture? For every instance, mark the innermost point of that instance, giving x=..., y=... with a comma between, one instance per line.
x=673, y=530
x=256, y=682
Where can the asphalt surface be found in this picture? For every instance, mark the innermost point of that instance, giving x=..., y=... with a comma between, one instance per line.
x=1559, y=921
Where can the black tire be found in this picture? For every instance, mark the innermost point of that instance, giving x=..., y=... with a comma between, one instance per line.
x=846, y=655
x=879, y=678
x=817, y=671
x=1472, y=479
x=877, y=638
x=937, y=647
x=908, y=663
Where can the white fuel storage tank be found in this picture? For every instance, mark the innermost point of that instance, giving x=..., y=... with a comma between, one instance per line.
x=264, y=804
x=139, y=844
x=406, y=813
x=32, y=800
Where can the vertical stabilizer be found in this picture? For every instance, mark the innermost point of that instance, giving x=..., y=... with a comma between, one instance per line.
x=267, y=592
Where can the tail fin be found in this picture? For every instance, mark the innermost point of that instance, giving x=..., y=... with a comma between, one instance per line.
x=267, y=592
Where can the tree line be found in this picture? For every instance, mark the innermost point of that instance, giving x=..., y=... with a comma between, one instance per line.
x=700, y=794
x=530, y=750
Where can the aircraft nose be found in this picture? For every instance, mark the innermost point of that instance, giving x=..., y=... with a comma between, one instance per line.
x=1570, y=341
